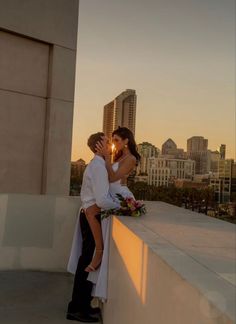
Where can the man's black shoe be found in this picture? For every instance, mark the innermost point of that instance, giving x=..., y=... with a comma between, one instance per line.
x=85, y=318
x=94, y=311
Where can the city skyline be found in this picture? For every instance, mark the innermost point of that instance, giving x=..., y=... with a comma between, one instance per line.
x=182, y=70
x=159, y=148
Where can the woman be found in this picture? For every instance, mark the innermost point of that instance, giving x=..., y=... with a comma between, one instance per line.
x=125, y=161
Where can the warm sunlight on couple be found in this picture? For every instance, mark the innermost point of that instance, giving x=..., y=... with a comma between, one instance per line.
x=104, y=178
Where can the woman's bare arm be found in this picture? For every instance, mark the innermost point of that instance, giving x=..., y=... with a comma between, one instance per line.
x=124, y=168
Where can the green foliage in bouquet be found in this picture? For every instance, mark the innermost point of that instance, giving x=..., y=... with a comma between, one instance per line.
x=128, y=207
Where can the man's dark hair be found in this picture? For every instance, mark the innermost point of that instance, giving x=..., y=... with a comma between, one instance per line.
x=93, y=140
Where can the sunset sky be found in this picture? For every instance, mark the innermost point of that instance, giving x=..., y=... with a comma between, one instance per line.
x=179, y=56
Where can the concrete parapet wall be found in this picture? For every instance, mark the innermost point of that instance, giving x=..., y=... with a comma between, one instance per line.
x=171, y=266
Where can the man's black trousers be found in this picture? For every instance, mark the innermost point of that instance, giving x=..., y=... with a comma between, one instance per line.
x=81, y=295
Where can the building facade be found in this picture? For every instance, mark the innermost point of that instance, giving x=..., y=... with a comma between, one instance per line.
x=213, y=161
x=120, y=112
x=164, y=171
x=197, y=151
x=79, y=167
x=146, y=151
x=197, y=144
x=221, y=181
x=38, y=42
x=233, y=183
x=222, y=151
x=170, y=149
x=109, y=119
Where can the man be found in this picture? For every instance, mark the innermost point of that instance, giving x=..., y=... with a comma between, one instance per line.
x=95, y=190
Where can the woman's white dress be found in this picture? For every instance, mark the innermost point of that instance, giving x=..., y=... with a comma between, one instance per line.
x=116, y=187
x=99, y=278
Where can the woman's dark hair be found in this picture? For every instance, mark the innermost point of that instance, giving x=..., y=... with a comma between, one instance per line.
x=126, y=133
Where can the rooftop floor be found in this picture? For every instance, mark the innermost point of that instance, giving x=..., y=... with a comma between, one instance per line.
x=34, y=297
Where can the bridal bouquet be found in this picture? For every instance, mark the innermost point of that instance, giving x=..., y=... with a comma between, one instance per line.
x=128, y=207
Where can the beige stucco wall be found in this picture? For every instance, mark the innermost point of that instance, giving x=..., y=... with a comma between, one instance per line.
x=38, y=40
x=36, y=231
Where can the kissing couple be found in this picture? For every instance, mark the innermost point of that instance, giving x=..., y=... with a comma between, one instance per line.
x=102, y=181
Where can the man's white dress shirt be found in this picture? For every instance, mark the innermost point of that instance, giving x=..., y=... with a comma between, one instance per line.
x=95, y=190
x=95, y=187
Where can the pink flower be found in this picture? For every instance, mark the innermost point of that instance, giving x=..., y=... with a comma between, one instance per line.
x=129, y=200
x=139, y=204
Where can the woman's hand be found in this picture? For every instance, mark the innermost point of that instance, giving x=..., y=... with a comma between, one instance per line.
x=102, y=148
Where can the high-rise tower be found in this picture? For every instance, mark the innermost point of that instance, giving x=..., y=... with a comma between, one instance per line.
x=120, y=112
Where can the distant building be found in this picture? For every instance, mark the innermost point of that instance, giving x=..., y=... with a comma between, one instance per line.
x=76, y=179
x=169, y=148
x=79, y=167
x=163, y=171
x=197, y=144
x=108, y=119
x=213, y=158
x=181, y=183
x=222, y=151
x=233, y=182
x=146, y=150
x=120, y=112
x=141, y=178
x=222, y=181
x=197, y=151
x=200, y=178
